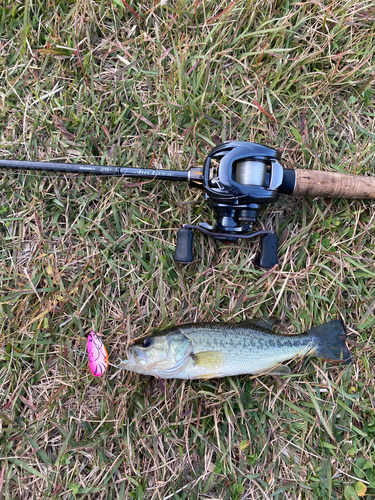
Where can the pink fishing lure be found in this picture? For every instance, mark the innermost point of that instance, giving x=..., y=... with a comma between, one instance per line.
x=98, y=355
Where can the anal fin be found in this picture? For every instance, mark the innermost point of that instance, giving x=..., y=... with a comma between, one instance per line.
x=279, y=370
x=211, y=375
x=276, y=370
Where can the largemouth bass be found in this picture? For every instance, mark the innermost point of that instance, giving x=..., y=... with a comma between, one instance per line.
x=207, y=350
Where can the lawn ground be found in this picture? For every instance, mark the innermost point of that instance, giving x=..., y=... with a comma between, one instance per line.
x=158, y=84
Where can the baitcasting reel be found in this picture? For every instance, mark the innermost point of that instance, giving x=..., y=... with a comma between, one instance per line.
x=238, y=179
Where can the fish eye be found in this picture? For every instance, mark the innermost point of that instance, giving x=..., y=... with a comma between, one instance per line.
x=146, y=342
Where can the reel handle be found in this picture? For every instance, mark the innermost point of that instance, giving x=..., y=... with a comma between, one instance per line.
x=184, y=247
x=266, y=259
x=333, y=185
x=268, y=251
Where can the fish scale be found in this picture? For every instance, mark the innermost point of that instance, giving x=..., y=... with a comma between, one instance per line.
x=244, y=350
x=246, y=338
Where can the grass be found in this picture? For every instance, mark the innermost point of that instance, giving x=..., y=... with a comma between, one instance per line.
x=158, y=84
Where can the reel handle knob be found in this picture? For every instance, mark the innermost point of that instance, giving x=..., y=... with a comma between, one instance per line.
x=268, y=251
x=184, y=248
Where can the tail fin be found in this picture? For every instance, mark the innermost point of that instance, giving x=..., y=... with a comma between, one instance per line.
x=330, y=341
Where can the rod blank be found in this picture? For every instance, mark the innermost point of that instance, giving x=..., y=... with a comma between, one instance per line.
x=77, y=168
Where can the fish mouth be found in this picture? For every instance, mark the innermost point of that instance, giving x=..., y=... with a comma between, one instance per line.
x=139, y=356
x=135, y=357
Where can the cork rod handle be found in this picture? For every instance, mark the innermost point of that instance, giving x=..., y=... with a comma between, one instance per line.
x=333, y=185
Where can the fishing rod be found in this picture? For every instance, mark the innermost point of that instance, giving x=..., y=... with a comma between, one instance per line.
x=238, y=178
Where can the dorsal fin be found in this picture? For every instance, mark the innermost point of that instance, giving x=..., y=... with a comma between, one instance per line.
x=268, y=323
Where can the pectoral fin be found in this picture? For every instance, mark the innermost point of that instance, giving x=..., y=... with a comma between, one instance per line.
x=209, y=359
